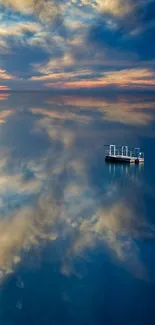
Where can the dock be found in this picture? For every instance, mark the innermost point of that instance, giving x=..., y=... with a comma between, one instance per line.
x=122, y=154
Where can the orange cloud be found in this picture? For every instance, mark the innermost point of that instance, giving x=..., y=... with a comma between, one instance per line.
x=126, y=78
x=76, y=84
x=4, y=88
x=5, y=75
x=56, y=76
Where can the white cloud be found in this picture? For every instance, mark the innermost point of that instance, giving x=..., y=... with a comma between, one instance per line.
x=115, y=7
x=18, y=29
x=21, y=33
x=6, y=76
x=45, y=10
x=4, y=47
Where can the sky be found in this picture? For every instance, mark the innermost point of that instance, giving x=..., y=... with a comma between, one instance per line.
x=77, y=44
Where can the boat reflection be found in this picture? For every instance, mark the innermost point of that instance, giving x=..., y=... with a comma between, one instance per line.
x=124, y=169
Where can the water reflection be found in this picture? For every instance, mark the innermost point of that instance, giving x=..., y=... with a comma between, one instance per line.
x=58, y=197
x=125, y=169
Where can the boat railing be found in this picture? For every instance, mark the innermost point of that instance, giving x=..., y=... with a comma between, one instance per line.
x=133, y=152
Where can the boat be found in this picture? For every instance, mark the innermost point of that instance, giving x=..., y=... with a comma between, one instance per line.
x=123, y=154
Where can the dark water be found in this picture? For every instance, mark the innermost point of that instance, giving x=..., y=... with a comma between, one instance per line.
x=77, y=235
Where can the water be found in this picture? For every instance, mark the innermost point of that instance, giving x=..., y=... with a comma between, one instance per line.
x=77, y=235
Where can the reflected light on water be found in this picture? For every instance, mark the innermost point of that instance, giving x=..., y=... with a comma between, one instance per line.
x=50, y=189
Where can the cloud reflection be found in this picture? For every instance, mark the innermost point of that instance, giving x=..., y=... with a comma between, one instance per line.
x=4, y=96
x=53, y=198
x=87, y=109
x=5, y=114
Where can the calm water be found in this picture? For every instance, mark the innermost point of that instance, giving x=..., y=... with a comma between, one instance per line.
x=77, y=235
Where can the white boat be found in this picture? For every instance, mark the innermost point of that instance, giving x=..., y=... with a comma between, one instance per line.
x=123, y=154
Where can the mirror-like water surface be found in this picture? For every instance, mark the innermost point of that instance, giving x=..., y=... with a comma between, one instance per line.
x=77, y=235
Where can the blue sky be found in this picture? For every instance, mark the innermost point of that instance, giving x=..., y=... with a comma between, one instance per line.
x=62, y=44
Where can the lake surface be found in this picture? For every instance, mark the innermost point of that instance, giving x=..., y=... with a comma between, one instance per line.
x=77, y=235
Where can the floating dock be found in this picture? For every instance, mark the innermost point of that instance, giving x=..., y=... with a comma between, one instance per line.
x=122, y=154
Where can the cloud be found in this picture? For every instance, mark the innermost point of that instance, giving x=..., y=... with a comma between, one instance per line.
x=125, y=78
x=114, y=7
x=76, y=55
x=65, y=47
x=25, y=33
x=4, y=48
x=79, y=67
x=130, y=29
x=55, y=66
x=61, y=76
x=16, y=34
x=45, y=10
x=18, y=29
x=130, y=76
x=4, y=75
x=20, y=33
x=42, y=40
